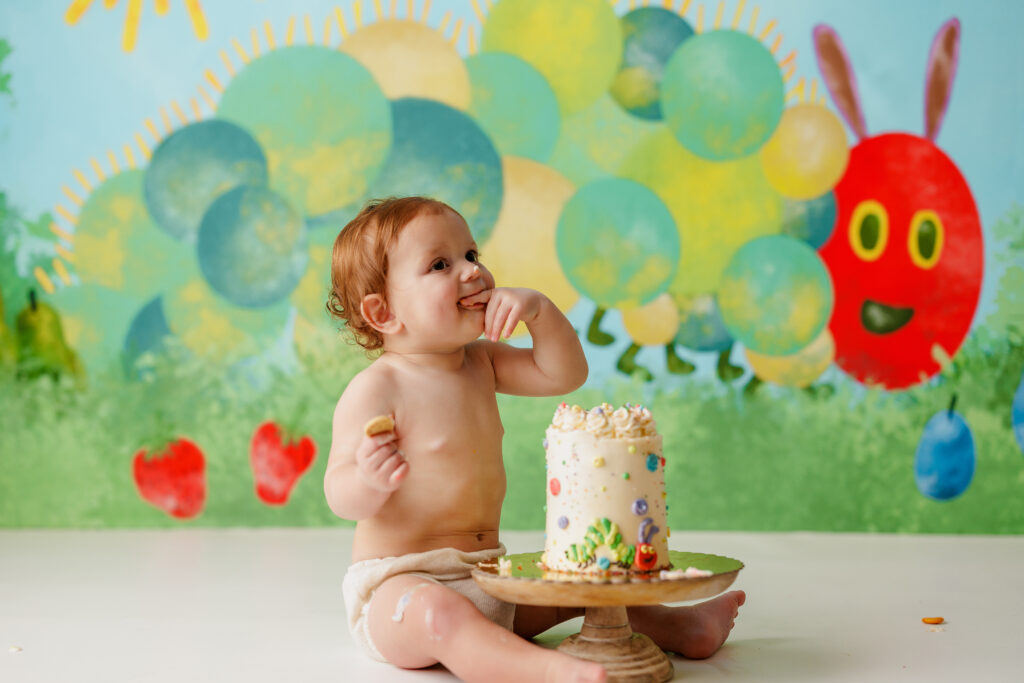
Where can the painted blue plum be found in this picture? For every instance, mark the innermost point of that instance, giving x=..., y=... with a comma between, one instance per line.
x=1017, y=414
x=944, y=462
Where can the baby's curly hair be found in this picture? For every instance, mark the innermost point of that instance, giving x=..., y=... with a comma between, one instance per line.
x=359, y=262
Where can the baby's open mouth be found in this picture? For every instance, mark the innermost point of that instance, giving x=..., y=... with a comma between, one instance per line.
x=882, y=319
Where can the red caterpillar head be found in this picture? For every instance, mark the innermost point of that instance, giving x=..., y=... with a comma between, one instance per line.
x=906, y=255
x=646, y=557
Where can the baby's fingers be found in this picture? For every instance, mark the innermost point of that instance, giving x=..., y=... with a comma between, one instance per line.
x=510, y=323
x=393, y=471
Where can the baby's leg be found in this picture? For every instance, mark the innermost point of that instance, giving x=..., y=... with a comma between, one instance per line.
x=694, y=631
x=416, y=623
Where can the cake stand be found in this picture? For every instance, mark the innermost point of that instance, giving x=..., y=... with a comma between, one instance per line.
x=606, y=637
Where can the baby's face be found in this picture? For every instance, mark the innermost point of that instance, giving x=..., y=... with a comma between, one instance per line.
x=432, y=267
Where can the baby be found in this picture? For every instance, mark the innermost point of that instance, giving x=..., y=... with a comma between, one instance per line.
x=407, y=280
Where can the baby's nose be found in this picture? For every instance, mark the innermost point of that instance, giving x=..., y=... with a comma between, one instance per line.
x=471, y=273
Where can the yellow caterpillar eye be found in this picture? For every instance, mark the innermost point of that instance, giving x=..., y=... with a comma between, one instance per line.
x=869, y=230
x=927, y=235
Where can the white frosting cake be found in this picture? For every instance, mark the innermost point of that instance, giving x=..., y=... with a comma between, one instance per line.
x=605, y=491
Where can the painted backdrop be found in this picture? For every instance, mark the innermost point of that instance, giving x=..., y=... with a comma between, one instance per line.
x=793, y=229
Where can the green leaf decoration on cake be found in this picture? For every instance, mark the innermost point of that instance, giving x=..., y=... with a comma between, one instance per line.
x=601, y=532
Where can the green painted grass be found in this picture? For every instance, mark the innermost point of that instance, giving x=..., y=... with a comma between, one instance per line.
x=780, y=460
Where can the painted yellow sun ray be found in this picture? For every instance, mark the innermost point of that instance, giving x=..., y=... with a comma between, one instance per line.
x=109, y=4
x=227, y=62
x=409, y=10
x=64, y=252
x=456, y=32
x=814, y=89
x=753, y=20
x=327, y=31
x=206, y=98
x=97, y=169
x=61, y=233
x=477, y=11
x=767, y=29
x=75, y=11
x=378, y=10
x=162, y=6
x=82, y=180
x=718, y=14
x=129, y=155
x=44, y=280
x=700, y=19
x=240, y=50
x=195, y=14
x=196, y=113
x=114, y=166
x=62, y=272
x=269, y=31
x=357, y=10
x=776, y=44
x=685, y=7
x=667, y=4
x=788, y=60
x=254, y=35
x=790, y=71
x=179, y=113
x=339, y=17
x=143, y=147
x=289, y=34
x=166, y=120
x=797, y=91
x=738, y=15
x=426, y=11
x=131, y=25
x=151, y=127
x=471, y=39
x=308, y=26
x=393, y=9
x=444, y=23
x=65, y=214
x=211, y=78
x=71, y=195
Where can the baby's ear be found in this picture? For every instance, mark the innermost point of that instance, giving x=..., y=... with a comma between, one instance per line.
x=375, y=311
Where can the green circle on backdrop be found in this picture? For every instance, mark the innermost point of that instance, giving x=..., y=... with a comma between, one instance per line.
x=776, y=295
x=651, y=35
x=513, y=104
x=575, y=44
x=322, y=120
x=617, y=243
x=722, y=94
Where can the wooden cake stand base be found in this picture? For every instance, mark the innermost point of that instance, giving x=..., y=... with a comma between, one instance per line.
x=606, y=636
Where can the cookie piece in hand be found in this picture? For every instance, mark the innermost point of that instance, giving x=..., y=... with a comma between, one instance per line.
x=379, y=425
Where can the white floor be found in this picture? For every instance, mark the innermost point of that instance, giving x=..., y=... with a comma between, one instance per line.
x=265, y=605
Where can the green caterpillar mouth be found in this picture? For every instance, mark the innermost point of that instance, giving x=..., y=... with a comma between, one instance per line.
x=881, y=319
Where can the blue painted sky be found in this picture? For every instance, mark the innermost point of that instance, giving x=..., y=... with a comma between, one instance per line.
x=77, y=94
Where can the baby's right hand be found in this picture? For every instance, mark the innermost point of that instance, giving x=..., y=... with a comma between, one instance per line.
x=380, y=463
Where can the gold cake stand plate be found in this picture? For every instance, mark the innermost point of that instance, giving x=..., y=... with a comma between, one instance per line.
x=606, y=637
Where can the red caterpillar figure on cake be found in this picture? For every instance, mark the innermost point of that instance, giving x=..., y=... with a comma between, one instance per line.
x=906, y=254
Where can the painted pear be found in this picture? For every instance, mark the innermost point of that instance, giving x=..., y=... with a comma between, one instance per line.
x=8, y=345
x=41, y=344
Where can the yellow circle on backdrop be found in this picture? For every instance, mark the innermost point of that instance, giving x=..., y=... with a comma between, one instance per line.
x=521, y=251
x=408, y=59
x=797, y=369
x=807, y=154
x=575, y=44
x=653, y=324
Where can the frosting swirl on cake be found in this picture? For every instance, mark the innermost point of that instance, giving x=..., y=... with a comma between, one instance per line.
x=629, y=421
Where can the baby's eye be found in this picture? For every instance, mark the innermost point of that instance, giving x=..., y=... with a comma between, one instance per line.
x=472, y=256
x=439, y=264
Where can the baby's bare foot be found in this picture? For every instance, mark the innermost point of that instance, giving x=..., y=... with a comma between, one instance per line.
x=708, y=625
x=563, y=668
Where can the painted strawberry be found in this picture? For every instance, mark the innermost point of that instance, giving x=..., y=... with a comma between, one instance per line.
x=173, y=478
x=277, y=463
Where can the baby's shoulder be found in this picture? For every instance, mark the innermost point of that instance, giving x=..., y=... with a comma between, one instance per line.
x=374, y=379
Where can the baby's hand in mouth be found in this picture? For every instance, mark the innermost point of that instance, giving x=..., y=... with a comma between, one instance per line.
x=478, y=300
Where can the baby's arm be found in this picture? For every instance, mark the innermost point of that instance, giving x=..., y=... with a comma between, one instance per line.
x=555, y=365
x=362, y=470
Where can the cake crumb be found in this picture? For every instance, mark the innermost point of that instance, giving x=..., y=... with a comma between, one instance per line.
x=15, y=648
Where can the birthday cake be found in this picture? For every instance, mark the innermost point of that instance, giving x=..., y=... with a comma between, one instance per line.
x=605, y=492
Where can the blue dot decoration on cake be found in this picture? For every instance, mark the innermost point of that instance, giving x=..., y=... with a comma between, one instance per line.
x=650, y=36
x=639, y=507
x=652, y=461
x=252, y=246
x=195, y=165
x=722, y=94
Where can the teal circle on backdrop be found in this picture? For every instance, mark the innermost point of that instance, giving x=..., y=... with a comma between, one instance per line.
x=650, y=36
x=811, y=221
x=147, y=332
x=617, y=243
x=776, y=295
x=722, y=94
x=442, y=153
x=252, y=247
x=701, y=327
x=514, y=104
x=321, y=118
x=195, y=165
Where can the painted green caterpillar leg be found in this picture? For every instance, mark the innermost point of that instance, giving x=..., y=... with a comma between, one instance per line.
x=594, y=333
